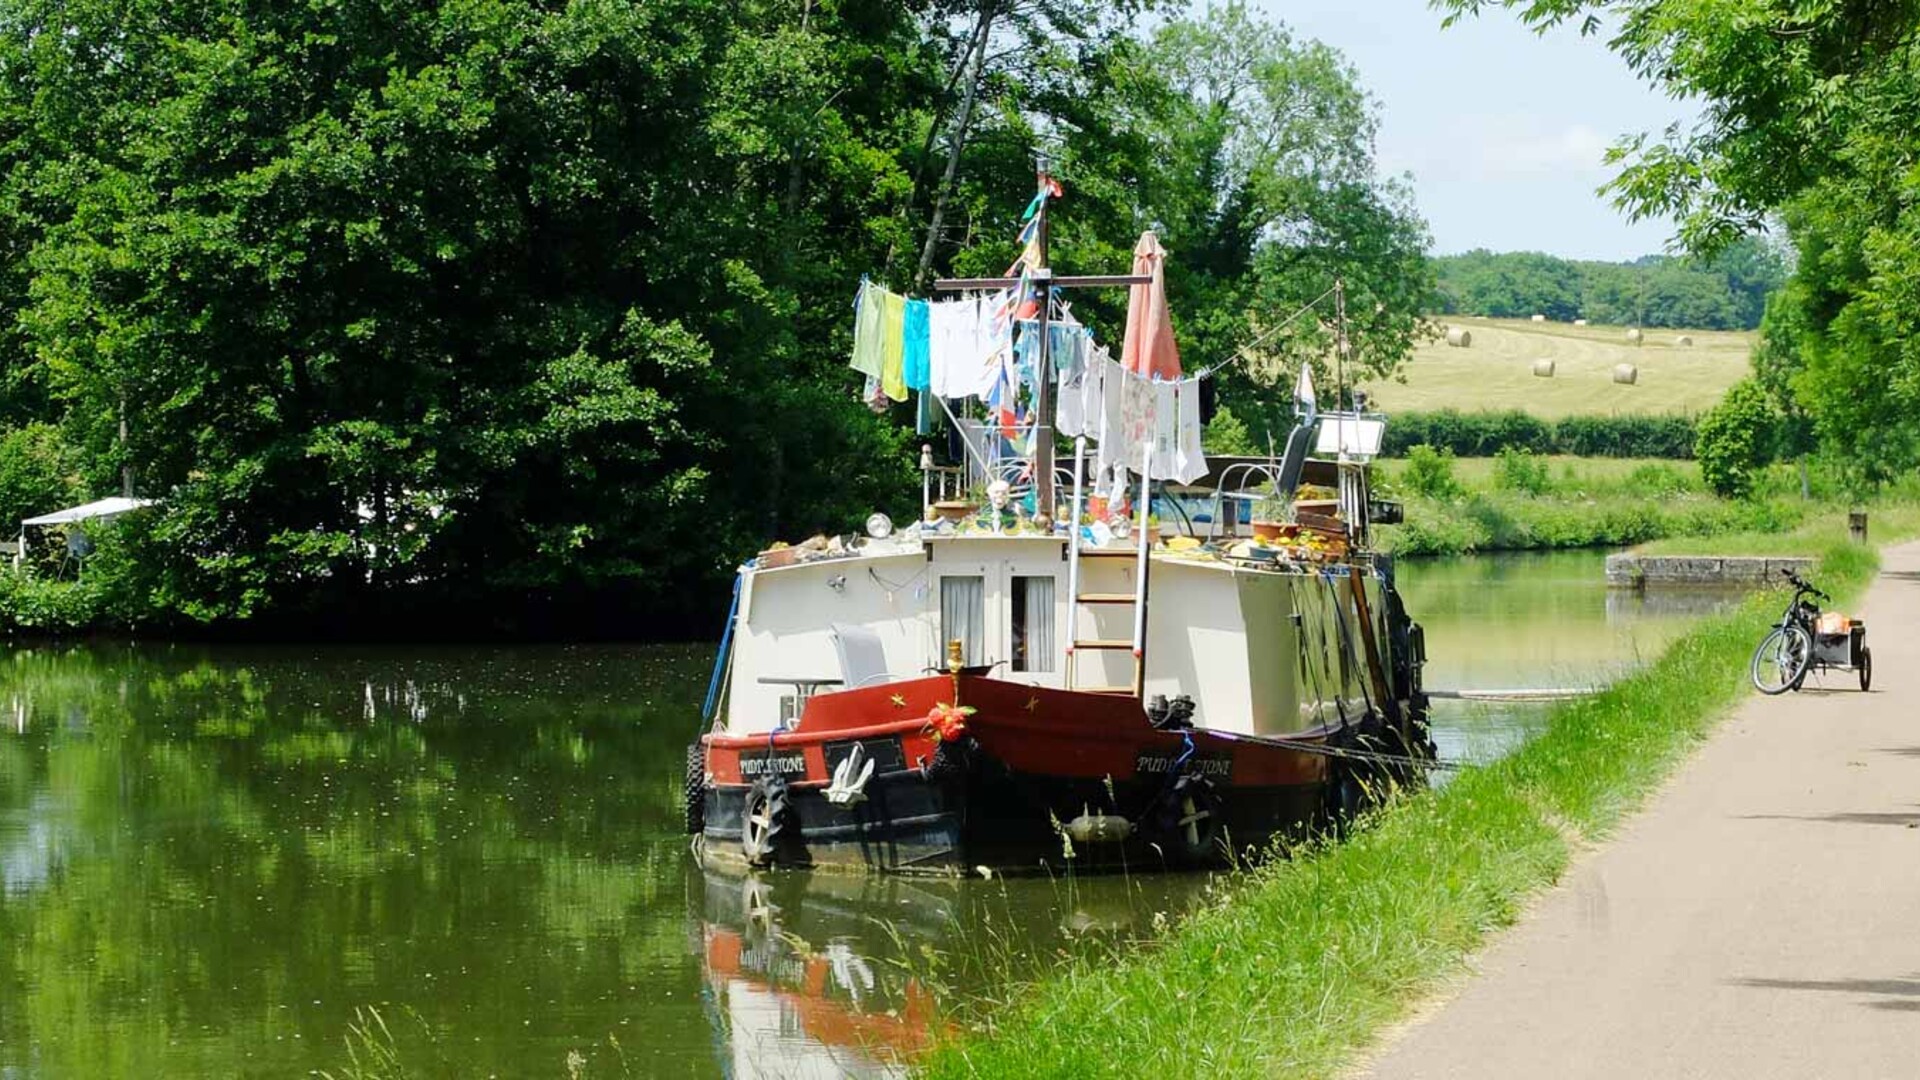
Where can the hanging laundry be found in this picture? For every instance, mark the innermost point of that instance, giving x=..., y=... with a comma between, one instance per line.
x=1067, y=345
x=1166, y=429
x=965, y=344
x=1190, y=461
x=1070, y=402
x=916, y=346
x=1113, y=425
x=867, y=330
x=893, y=319
x=945, y=334
x=1026, y=349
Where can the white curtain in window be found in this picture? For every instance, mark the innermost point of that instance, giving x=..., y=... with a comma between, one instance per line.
x=1038, y=628
x=963, y=618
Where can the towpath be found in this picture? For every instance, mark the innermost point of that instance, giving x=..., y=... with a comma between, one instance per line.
x=1759, y=918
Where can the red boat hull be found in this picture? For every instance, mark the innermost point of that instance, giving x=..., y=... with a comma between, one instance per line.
x=1005, y=793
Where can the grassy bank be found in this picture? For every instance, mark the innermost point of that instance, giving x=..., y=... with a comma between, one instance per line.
x=1302, y=962
x=1520, y=502
x=1822, y=528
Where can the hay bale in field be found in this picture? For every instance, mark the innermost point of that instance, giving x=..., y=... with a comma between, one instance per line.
x=1634, y=336
x=1579, y=322
x=1543, y=369
x=1459, y=337
x=1539, y=318
x=1683, y=339
x=1626, y=374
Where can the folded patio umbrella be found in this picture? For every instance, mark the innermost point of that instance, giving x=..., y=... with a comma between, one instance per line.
x=1149, y=348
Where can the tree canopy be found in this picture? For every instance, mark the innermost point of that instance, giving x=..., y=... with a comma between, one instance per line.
x=1727, y=292
x=540, y=311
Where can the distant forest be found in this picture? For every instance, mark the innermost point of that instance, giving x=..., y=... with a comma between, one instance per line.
x=1728, y=292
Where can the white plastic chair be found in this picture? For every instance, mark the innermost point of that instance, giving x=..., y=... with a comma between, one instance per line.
x=862, y=662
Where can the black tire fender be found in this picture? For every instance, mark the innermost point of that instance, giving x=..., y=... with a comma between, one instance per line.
x=694, y=794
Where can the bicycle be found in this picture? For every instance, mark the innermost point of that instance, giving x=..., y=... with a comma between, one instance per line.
x=1807, y=639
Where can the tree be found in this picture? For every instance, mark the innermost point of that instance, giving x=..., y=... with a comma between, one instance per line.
x=1736, y=439
x=1251, y=153
x=471, y=300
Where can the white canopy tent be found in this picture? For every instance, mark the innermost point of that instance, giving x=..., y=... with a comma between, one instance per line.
x=98, y=510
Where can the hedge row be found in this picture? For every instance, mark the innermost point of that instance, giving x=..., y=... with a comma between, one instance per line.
x=1484, y=434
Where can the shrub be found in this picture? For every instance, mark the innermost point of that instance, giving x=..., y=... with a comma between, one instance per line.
x=1736, y=439
x=39, y=472
x=1516, y=468
x=1659, y=481
x=1429, y=472
x=1226, y=434
x=41, y=606
x=1483, y=434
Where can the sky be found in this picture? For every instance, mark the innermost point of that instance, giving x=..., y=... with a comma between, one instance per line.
x=1502, y=130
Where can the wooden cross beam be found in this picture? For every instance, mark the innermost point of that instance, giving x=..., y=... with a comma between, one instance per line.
x=972, y=284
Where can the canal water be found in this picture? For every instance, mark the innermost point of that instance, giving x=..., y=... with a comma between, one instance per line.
x=470, y=862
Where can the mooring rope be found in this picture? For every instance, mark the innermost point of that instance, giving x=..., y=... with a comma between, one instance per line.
x=1378, y=757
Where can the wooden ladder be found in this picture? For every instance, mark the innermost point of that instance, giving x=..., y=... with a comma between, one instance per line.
x=1137, y=644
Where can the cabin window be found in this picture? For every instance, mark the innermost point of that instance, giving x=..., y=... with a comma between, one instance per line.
x=963, y=618
x=1033, y=623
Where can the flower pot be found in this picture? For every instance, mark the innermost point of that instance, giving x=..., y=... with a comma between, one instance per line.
x=1328, y=507
x=953, y=509
x=1273, y=530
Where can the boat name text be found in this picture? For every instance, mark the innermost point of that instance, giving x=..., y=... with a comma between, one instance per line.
x=1198, y=766
x=790, y=763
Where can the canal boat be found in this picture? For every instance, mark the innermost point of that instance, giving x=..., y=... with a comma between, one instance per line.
x=1100, y=664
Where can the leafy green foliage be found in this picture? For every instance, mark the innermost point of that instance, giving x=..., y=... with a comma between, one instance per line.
x=1225, y=434
x=39, y=473
x=1516, y=469
x=1484, y=434
x=1728, y=292
x=504, y=314
x=1251, y=152
x=488, y=301
x=1429, y=472
x=1736, y=439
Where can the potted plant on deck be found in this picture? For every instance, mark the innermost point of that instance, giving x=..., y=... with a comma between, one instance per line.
x=1315, y=499
x=1273, y=517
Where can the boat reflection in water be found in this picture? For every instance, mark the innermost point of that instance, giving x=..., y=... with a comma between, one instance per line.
x=822, y=975
x=804, y=978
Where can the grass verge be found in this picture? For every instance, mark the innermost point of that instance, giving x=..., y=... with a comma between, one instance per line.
x=1821, y=530
x=1301, y=965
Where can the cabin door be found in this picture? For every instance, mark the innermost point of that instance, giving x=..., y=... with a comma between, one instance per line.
x=1009, y=618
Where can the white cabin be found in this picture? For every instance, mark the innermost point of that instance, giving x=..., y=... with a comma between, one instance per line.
x=1262, y=648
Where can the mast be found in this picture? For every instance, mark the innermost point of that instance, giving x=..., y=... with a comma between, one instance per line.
x=1043, y=449
x=1043, y=375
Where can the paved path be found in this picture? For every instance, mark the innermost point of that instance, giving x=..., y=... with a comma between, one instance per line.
x=1759, y=918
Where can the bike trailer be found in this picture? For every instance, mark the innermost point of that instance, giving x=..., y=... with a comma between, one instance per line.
x=1837, y=640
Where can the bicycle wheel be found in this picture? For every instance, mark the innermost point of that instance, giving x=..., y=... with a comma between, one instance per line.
x=1780, y=663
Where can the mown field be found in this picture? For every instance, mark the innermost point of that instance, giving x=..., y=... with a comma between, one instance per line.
x=1496, y=371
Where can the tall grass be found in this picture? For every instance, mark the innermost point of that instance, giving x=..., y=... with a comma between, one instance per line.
x=1297, y=968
